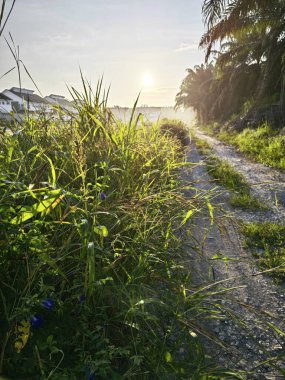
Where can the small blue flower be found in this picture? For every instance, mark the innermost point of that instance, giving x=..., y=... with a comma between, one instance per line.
x=90, y=375
x=48, y=303
x=37, y=321
x=103, y=196
x=82, y=298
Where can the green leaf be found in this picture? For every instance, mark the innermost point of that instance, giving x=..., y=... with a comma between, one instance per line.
x=281, y=333
x=187, y=217
x=211, y=211
x=53, y=174
x=101, y=230
x=168, y=357
x=46, y=205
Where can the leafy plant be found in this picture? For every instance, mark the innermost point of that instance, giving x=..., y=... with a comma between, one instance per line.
x=176, y=129
x=227, y=176
x=267, y=240
x=263, y=144
x=91, y=214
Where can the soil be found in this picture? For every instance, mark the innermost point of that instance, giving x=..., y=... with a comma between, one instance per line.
x=244, y=338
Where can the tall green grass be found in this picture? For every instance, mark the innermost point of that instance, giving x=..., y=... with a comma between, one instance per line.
x=262, y=144
x=176, y=129
x=226, y=175
x=90, y=283
x=267, y=240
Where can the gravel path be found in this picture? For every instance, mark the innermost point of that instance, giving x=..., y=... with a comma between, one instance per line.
x=266, y=183
x=247, y=340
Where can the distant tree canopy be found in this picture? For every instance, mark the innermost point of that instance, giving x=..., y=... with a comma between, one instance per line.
x=247, y=77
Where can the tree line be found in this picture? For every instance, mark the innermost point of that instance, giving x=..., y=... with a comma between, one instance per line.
x=243, y=77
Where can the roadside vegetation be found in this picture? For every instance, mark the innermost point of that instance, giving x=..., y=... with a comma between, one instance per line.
x=263, y=144
x=91, y=284
x=239, y=92
x=226, y=175
x=244, y=41
x=267, y=241
x=175, y=129
x=93, y=224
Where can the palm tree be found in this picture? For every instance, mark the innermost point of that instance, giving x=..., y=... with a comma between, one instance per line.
x=194, y=90
x=261, y=25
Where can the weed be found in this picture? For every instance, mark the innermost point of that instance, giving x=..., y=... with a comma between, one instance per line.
x=89, y=283
x=267, y=241
x=228, y=177
x=203, y=146
x=247, y=202
x=263, y=144
x=177, y=129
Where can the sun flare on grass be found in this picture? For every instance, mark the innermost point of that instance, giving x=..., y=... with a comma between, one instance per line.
x=147, y=80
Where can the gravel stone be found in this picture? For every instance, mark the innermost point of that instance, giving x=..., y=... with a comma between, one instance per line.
x=254, y=299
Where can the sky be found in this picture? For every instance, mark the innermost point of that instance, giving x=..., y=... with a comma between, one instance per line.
x=137, y=45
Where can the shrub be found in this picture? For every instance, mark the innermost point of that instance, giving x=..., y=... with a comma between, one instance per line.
x=177, y=129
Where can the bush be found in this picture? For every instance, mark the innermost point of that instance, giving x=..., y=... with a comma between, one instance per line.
x=176, y=129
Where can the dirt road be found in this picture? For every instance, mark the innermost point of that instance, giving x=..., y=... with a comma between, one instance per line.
x=249, y=341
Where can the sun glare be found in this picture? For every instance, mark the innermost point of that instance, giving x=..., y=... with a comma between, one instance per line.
x=147, y=80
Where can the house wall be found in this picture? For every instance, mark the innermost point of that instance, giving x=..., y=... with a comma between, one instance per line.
x=24, y=105
x=5, y=106
x=54, y=101
x=12, y=96
x=38, y=107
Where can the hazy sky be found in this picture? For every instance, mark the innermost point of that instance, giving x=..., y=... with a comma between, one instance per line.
x=137, y=44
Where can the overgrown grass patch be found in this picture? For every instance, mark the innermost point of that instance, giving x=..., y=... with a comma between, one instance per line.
x=262, y=144
x=267, y=240
x=247, y=201
x=90, y=213
x=227, y=176
x=176, y=129
x=203, y=146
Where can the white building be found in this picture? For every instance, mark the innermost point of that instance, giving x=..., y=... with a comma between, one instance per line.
x=61, y=102
x=26, y=100
x=6, y=104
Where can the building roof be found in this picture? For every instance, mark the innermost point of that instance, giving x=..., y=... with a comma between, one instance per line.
x=4, y=97
x=27, y=95
x=22, y=90
x=56, y=96
x=59, y=100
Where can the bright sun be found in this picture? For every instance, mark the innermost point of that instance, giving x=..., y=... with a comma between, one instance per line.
x=147, y=80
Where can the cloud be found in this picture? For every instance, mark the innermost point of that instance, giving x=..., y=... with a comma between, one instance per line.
x=184, y=47
x=66, y=40
x=159, y=90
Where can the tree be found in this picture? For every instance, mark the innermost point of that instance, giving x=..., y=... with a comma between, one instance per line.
x=249, y=62
x=194, y=90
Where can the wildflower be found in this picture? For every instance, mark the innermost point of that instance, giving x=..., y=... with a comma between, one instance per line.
x=103, y=196
x=37, y=321
x=48, y=303
x=91, y=376
x=82, y=298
